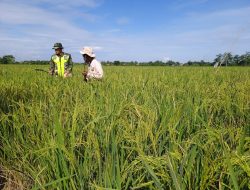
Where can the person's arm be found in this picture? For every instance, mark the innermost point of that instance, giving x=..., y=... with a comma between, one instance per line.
x=52, y=67
x=99, y=69
x=69, y=65
x=91, y=71
x=96, y=71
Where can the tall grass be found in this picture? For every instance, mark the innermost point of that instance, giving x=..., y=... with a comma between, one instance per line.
x=140, y=128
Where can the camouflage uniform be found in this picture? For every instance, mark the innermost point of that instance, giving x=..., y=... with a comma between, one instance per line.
x=61, y=65
x=68, y=65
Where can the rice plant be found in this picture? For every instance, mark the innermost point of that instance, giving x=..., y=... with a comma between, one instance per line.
x=139, y=128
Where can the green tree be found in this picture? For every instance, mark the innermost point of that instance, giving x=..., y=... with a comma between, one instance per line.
x=117, y=63
x=8, y=59
x=236, y=60
x=218, y=58
x=245, y=59
x=225, y=59
x=229, y=59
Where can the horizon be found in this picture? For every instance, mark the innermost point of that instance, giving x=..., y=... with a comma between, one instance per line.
x=134, y=61
x=127, y=31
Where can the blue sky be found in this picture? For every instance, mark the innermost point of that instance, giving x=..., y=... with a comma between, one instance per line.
x=125, y=30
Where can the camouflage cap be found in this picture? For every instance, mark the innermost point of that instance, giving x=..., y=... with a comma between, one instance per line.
x=57, y=46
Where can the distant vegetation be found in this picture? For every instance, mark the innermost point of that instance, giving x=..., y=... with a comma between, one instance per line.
x=232, y=60
x=7, y=59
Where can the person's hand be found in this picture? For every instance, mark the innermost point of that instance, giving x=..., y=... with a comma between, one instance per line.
x=51, y=72
x=67, y=74
x=84, y=73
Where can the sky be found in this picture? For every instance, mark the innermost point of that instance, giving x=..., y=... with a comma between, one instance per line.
x=125, y=30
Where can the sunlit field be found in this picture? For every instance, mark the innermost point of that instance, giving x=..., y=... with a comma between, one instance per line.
x=184, y=128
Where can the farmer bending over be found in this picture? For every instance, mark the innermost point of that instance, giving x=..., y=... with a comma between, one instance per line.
x=61, y=63
x=95, y=70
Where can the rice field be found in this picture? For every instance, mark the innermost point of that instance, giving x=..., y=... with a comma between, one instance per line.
x=183, y=128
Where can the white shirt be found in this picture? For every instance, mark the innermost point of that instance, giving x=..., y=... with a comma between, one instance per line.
x=95, y=70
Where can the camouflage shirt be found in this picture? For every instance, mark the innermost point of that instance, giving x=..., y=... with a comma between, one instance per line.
x=68, y=65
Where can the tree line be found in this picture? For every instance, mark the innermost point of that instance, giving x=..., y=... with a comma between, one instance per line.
x=226, y=59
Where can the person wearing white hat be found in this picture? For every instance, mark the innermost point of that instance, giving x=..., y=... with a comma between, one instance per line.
x=95, y=70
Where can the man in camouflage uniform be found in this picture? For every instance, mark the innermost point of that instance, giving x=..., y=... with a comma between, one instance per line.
x=61, y=63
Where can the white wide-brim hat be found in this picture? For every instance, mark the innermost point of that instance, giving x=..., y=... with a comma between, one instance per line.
x=88, y=51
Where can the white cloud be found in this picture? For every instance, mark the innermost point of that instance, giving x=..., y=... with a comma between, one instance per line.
x=180, y=4
x=123, y=20
x=14, y=14
x=30, y=34
x=114, y=30
x=36, y=28
x=58, y=3
x=97, y=48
